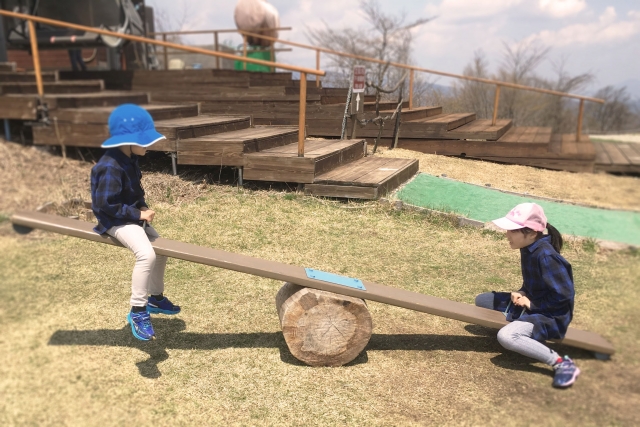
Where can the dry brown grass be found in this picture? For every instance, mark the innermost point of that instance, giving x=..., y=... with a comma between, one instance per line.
x=602, y=190
x=67, y=358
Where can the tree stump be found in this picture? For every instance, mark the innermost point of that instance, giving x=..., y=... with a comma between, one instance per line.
x=322, y=328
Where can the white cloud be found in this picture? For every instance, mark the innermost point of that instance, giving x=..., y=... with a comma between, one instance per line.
x=561, y=8
x=607, y=29
x=451, y=10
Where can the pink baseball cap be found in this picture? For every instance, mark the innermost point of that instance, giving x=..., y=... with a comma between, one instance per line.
x=528, y=215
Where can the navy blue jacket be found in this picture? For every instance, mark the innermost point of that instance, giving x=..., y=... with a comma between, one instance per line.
x=116, y=192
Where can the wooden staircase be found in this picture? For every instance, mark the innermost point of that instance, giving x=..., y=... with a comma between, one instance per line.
x=79, y=112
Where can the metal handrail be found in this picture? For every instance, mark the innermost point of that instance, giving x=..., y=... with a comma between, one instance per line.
x=229, y=30
x=412, y=69
x=38, y=72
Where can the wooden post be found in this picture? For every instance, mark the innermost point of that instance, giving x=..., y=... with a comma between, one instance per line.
x=244, y=51
x=317, y=67
x=580, y=116
x=216, y=47
x=322, y=328
x=36, y=59
x=303, y=114
x=411, y=89
x=166, y=57
x=496, y=102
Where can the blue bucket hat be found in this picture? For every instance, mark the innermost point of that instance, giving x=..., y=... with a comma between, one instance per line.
x=130, y=124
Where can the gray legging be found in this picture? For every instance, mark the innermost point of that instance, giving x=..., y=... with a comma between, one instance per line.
x=516, y=336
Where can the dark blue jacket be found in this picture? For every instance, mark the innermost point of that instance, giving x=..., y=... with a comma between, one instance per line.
x=116, y=192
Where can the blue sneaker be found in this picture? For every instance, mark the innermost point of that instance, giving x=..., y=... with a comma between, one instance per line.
x=163, y=306
x=141, y=325
x=566, y=373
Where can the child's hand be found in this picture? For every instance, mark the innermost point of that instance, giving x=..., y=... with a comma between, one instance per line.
x=147, y=214
x=523, y=302
x=515, y=296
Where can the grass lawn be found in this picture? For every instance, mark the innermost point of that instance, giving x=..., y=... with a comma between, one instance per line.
x=67, y=357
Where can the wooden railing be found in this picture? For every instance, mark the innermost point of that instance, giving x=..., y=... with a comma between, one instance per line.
x=412, y=69
x=38, y=72
x=216, y=44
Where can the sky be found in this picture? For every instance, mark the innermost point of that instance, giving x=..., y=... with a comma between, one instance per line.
x=597, y=36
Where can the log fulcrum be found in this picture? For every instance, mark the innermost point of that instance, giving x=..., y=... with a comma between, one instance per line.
x=322, y=328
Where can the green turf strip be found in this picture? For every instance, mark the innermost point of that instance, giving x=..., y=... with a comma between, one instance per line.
x=484, y=204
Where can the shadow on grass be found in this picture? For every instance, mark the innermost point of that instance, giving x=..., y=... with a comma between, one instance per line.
x=170, y=335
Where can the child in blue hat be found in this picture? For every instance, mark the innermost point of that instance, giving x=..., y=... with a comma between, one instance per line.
x=117, y=200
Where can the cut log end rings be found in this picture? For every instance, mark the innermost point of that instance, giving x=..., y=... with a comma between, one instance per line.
x=322, y=328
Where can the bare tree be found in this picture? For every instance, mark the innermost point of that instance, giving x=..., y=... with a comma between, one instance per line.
x=525, y=108
x=616, y=115
x=558, y=112
x=387, y=38
x=166, y=22
x=474, y=96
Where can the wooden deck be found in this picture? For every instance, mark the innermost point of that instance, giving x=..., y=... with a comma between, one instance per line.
x=227, y=128
x=617, y=157
x=526, y=147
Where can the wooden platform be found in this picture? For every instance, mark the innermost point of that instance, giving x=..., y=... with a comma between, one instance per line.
x=229, y=148
x=562, y=152
x=617, y=157
x=366, y=178
x=283, y=164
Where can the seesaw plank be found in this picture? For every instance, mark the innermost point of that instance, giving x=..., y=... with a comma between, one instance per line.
x=294, y=274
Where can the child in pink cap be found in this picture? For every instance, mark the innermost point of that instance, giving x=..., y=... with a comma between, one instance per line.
x=543, y=307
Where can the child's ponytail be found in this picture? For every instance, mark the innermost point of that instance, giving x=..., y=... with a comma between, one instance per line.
x=556, y=238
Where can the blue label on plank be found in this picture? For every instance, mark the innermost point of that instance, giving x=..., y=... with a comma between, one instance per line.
x=335, y=278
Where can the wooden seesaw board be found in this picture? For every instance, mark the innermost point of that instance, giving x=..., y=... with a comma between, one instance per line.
x=23, y=221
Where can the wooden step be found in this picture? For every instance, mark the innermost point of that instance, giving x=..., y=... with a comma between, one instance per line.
x=416, y=114
x=193, y=127
x=158, y=79
x=94, y=134
x=283, y=164
x=448, y=121
x=481, y=129
x=249, y=99
x=27, y=76
x=260, y=79
x=383, y=106
x=96, y=99
x=8, y=66
x=365, y=178
x=229, y=148
x=88, y=127
x=100, y=115
x=18, y=108
x=78, y=86
x=527, y=135
x=23, y=106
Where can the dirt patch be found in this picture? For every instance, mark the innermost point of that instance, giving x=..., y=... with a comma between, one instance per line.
x=601, y=190
x=37, y=177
